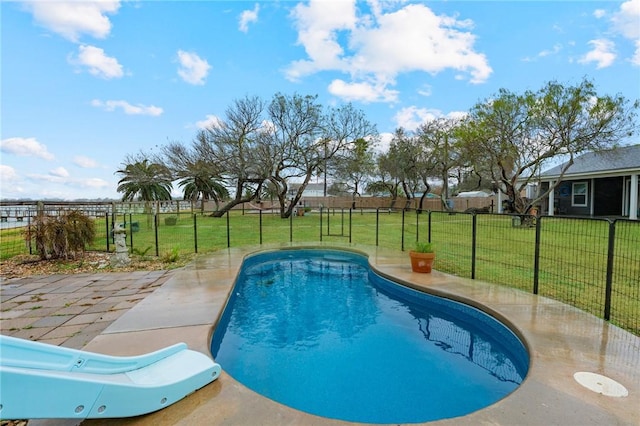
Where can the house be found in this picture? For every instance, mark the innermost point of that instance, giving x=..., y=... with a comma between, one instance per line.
x=473, y=194
x=602, y=183
x=311, y=190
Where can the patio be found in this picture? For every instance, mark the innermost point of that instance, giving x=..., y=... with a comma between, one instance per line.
x=562, y=340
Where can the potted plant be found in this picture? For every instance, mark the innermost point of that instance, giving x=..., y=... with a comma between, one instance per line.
x=422, y=257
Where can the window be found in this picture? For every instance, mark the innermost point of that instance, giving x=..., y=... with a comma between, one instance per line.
x=579, y=194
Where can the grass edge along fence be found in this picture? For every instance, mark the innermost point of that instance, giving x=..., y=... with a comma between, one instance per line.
x=590, y=263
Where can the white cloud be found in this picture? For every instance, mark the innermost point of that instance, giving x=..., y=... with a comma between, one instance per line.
x=319, y=24
x=411, y=117
x=555, y=50
x=127, y=108
x=363, y=92
x=209, y=121
x=602, y=54
x=59, y=172
x=635, y=59
x=268, y=126
x=71, y=19
x=61, y=176
x=7, y=174
x=96, y=183
x=380, y=46
x=97, y=62
x=85, y=162
x=51, y=178
x=193, y=69
x=599, y=13
x=25, y=147
x=425, y=91
x=383, y=142
x=626, y=22
x=247, y=17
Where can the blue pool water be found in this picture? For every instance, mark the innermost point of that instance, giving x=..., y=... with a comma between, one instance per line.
x=317, y=330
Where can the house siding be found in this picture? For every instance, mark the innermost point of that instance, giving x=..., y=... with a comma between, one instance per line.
x=564, y=197
x=612, y=179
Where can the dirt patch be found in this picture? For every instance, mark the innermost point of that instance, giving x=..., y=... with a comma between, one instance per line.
x=27, y=265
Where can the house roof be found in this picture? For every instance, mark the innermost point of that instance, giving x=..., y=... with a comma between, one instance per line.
x=625, y=158
x=472, y=194
x=310, y=186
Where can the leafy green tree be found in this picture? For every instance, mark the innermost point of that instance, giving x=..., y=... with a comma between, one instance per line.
x=249, y=154
x=145, y=181
x=511, y=137
x=235, y=151
x=199, y=178
x=303, y=140
x=439, y=154
x=406, y=152
x=385, y=179
x=198, y=183
x=353, y=168
x=294, y=144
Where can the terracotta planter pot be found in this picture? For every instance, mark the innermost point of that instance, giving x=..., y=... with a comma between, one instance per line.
x=421, y=262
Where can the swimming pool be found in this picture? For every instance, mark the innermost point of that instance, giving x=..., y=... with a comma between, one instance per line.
x=317, y=330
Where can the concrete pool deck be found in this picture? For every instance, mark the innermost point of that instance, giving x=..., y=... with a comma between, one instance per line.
x=561, y=340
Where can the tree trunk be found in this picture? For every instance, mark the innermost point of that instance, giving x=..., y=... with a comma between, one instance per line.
x=353, y=196
x=394, y=199
x=424, y=195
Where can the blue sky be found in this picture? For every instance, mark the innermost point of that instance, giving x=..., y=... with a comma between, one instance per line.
x=84, y=84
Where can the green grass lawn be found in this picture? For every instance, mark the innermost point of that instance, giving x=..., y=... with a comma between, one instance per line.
x=572, y=261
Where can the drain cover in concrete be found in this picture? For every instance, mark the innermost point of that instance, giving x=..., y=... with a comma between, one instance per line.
x=600, y=384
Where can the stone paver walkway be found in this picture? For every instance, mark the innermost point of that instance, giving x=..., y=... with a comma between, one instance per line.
x=70, y=310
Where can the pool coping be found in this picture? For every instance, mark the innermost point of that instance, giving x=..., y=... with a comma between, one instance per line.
x=561, y=340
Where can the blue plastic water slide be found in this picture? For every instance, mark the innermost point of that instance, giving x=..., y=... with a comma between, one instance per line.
x=42, y=381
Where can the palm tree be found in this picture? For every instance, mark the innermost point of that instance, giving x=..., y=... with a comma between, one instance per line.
x=145, y=181
x=197, y=182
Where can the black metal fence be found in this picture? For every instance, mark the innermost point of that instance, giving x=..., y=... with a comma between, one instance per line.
x=590, y=263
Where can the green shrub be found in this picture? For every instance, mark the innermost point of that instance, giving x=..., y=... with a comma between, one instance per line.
x=171, y=256
x=141, y=253
x=423, y=247
x=61, y=237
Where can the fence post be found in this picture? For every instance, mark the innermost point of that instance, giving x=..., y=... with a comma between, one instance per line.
x=417, y=225
x=130, y=233
x=402, y=237
x=350, y=212
x=106, y=221
x=228, y=227
x=610, y=253
x=536, y=257
x=29, y=228
x=156, y=222
x=114, y=218
x=195, y=232
x=291, y=226
x=429, y=227
x=260, y=224
x=321, y=222
x=377, y=224
x=474, y=238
